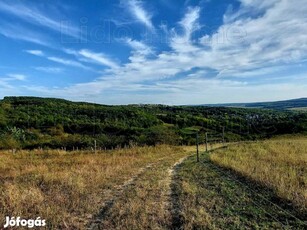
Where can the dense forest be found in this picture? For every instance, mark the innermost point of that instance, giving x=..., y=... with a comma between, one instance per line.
x=30, y=122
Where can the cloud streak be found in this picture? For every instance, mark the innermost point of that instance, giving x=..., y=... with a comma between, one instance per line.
x=52, y=70
x=68, y=62
x=35, y=16
x=97, y=58
x=20, y=33
x=139, y=13
x=36, y=52
x=60, y=60
x=16, y=77
x=6, y=81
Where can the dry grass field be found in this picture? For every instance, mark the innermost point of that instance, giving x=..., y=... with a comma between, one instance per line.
x=69, y=188
x=280, y=164
x=244, y=186
x=160, y=187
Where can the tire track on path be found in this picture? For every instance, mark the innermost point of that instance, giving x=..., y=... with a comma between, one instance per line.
x=111, y=196
x=173, y=196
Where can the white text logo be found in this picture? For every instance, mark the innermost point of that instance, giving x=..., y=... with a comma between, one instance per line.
x=31, y=223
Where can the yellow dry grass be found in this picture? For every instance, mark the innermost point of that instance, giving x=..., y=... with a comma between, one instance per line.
x=66, y=189
x=280, y=164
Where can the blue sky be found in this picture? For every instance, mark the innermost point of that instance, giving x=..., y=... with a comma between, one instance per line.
x=164, y=51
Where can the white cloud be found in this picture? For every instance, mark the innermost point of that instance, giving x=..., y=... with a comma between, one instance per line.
x=36, y=52
x=18, y=77
x=5, y=82
x=189, y=23
x=68, y=62
x=88, y=56
x=63, y=61
x=140, y=49
x=20, y=33
x=35, y=16
x=139, y=13
x=98, y=58
x=49, y=69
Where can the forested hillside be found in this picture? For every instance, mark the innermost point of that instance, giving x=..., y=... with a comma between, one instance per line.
x=29, y=122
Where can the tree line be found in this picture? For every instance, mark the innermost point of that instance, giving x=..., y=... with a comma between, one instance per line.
x=31, y=122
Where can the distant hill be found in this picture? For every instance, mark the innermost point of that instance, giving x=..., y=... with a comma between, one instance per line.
x=32, y=122
x=294, y=104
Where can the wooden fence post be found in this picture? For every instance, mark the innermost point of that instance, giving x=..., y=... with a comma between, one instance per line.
x=95, y=146
x=223, y=136
x=197, y=151
x=206, y=142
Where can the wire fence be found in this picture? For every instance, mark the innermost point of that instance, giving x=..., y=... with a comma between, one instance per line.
x=208, y=140
x=263, y=198
x=229, y=176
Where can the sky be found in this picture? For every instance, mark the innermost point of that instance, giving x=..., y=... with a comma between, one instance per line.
x=159, y=52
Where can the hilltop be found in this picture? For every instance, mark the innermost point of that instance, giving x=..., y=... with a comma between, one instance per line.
x=293, y=104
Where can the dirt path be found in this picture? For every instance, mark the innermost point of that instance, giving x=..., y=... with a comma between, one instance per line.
x=144, y=201
x=173, y=204
x=112, y=195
